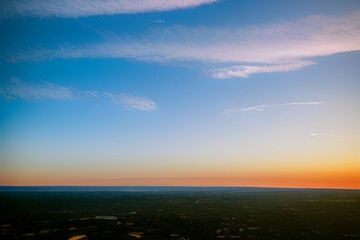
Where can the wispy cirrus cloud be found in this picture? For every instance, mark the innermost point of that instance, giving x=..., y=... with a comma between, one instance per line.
x=287, y=45
x=244, y=71
x=84, y=8
x=262, y=107
x=16, y=89
x=315, y=134
x=132, y=102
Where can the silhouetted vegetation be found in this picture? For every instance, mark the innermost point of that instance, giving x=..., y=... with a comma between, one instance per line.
x=232, y=214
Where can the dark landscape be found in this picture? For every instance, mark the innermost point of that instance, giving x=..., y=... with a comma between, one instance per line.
x=178, y=213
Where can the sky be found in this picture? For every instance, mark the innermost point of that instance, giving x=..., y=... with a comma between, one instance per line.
x=180, y=93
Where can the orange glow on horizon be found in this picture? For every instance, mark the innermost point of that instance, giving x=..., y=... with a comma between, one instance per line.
x=344, y=174
x=346, y=181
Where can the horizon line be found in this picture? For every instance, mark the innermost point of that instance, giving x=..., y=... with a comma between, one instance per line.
x=173, y=186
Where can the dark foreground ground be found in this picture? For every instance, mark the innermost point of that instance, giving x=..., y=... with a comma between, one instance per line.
x=181, y=214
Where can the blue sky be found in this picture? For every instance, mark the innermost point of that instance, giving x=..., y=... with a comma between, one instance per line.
x=160, y=89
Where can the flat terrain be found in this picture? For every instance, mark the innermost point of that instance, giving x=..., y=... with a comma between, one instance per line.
x=197, y=214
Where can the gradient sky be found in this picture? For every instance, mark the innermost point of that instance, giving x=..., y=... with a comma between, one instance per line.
x=207, y=92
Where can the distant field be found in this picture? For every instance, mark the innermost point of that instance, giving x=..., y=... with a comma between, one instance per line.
x=179, y=213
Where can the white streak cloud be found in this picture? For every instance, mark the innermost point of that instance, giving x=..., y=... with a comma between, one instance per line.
x=262, y=107
x=132, y=102
x=315, y=134
x=90, y=93
x=244, y=71
x=17, y=89
x=84, y=8
x=287, y=44
x=158, y=21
